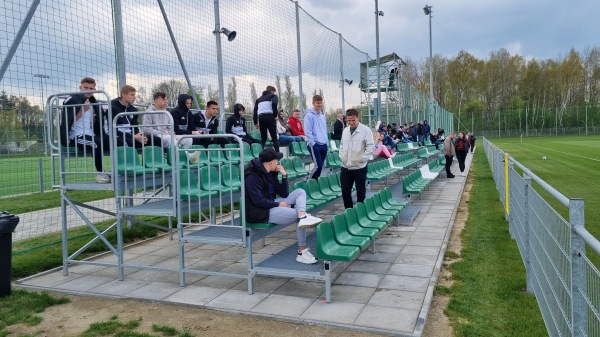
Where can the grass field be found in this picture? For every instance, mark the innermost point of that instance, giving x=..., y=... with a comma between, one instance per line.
x=572, y=166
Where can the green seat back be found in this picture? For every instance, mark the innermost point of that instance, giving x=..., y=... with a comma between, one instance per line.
x=344, y=237
x=154, y=157
x=230, y=177
x=256, y=149
x=328, y=249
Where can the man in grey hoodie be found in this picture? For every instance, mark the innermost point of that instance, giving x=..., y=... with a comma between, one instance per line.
x=159, y=125
x=315, y=126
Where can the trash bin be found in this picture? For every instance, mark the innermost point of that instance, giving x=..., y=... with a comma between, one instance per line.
x=8, y=222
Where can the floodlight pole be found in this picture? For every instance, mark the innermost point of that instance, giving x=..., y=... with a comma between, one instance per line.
x=378, y=105
x=219, y=59
x=43, y=105
x=301, y=97
x=342, y=81
x=428, y=11
x=119, y=44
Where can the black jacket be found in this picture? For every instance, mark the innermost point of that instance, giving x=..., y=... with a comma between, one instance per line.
x=67, y=118
x=200, y=121
x=338, y=128
x=117, y=108
x=267, y=101
x=258, y=199
x=236, y=120
x=182, y=116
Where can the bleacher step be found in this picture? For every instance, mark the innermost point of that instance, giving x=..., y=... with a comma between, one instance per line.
x=408, y=215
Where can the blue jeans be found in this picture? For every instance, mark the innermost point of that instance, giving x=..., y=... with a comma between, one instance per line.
x=389, y=141
x=318, y=153
x=285, y=139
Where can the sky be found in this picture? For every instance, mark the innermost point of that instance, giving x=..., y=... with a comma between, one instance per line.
x=542, y=29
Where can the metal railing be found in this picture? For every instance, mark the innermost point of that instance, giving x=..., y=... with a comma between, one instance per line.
x=560, y=275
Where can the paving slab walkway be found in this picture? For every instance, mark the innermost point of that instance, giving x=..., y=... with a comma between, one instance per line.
x=387, y=292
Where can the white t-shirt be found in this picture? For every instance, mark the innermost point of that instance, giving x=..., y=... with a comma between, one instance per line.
x=83, y=126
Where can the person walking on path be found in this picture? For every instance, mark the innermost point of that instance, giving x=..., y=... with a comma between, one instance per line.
x=338, y=127
x=265, y=115
x=472, y=141
x=462, y=148
x=449, y=153
x=262, y=185
x=315, y=125
x=356, y=147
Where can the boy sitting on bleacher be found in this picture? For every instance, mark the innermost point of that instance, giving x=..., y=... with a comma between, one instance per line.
x=262, y=186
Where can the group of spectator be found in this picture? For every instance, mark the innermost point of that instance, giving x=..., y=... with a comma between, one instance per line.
x=458, y=147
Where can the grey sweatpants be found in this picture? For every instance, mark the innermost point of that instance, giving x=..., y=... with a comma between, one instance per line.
x=289, y=215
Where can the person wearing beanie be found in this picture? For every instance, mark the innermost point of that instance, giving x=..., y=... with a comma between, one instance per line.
x=262, y=186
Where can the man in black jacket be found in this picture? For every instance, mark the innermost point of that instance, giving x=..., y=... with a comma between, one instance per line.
x=236, y=124
x=265, y=115
x=128, y=134
x=207, y=122
x=338, y=127
x=80, y=126
x=262, y=205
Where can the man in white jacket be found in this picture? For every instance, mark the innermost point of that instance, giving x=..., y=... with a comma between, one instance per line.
x=356, y=147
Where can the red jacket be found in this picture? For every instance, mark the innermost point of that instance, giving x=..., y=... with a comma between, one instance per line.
x=296, y=126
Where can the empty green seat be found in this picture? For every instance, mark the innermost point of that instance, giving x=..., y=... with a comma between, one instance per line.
x=299, y=167
x=210, y=181
x=355, y=229
x=315, y=192
x=154, y=157
x=328, y=249
x=248, y=155
x=334, y=182
x=304, y=148
x=310, y=203
x=230, y=177
x=188, y=187
x=128, y=162
x=372, y=206
x=289, y=168
x=352, y=219
x=232, y=153
x=215, y=155
x=343, y=237
x=363, y=218
x=256, y=149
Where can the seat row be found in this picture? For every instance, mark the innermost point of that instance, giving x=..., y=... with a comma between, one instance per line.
x=348, y=234
x=415, y=183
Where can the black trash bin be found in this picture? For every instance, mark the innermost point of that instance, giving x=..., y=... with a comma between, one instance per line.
x=8, y=222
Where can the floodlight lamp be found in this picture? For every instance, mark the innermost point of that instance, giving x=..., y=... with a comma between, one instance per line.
x=380, y=13
x=348, y=81
x=229, y=33
x=427, y=10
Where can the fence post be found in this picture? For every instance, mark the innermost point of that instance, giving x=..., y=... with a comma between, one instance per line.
x=510, y=168
x=41, y=175
x=578, y=270
x=300, y=92
x=506, y=189
x=527, y=229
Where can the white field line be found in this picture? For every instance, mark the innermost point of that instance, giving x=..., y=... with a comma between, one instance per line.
x=567, y=153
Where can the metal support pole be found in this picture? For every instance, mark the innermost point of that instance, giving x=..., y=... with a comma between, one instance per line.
x=217, y=33
x=119, y=43
x=183, y=68
x=431, y=99
x=342, y=80
x=18, y=37
x=368, y=92
x=378, y=105
x=578, y=270
x=527, y=227
x=300, y=92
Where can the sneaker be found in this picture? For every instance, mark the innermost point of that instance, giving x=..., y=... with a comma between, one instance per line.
x=194, y=157
x=451, y=176
x=371, y=158
x=309, y=221
x=305, y=257
x=393, y=154
x=462, y=174
x=103, y=178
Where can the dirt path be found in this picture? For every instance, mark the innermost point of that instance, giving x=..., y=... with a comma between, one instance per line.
x=75, y=317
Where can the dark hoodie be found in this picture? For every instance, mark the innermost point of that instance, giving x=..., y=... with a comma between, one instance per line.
x=261, y=188
x=236, y=121
x=182, y=116
x=67, y=118
x=117, y=108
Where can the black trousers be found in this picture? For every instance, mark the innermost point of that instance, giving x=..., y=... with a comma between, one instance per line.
x=347, y=179
x=128, y=139
x=90, y=145
x=472, y=145
x=448, y=164
x=267, y=123
x=461, y=156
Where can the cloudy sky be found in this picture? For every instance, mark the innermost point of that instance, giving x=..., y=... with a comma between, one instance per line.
x=535, y=29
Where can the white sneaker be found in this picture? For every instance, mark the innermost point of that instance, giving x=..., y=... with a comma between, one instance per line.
x=393, y=154
x=371, y=158
x=305, y=257
x=462, y=174
x=103, y=178
x=309, y=221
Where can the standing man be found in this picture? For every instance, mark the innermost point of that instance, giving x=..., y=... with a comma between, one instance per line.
x=356, y=147
x=449, y=153
x=425, y=130
x=338, y=127
x=265, y=115
x=315, y=125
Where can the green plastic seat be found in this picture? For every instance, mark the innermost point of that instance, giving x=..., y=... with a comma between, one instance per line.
x=154, y=157
x=310, y=203
x=295, y=150
x=289, y=168
x=363, y=218
x=232, y=156
x=315, y=192
x=379, y=205
x=326, y=187
x=188, y=187
x=372, y=215
x=230, y=177
x=304, y=148
x=128, y=162
x=343, y=237
x=390, y=198
x=373, y=207
x=355, y=229
x=210, y=181
x=248, y=155
x=215, y=155
x=328, y=249
x=352, y=220
x=256, y=149
x=299, y=167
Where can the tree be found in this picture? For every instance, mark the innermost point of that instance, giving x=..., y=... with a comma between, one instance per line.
x=278, y=87
x=253, y=95
x=231, y=94
x=289, y=97
x=212, y=95
x=172, y=88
